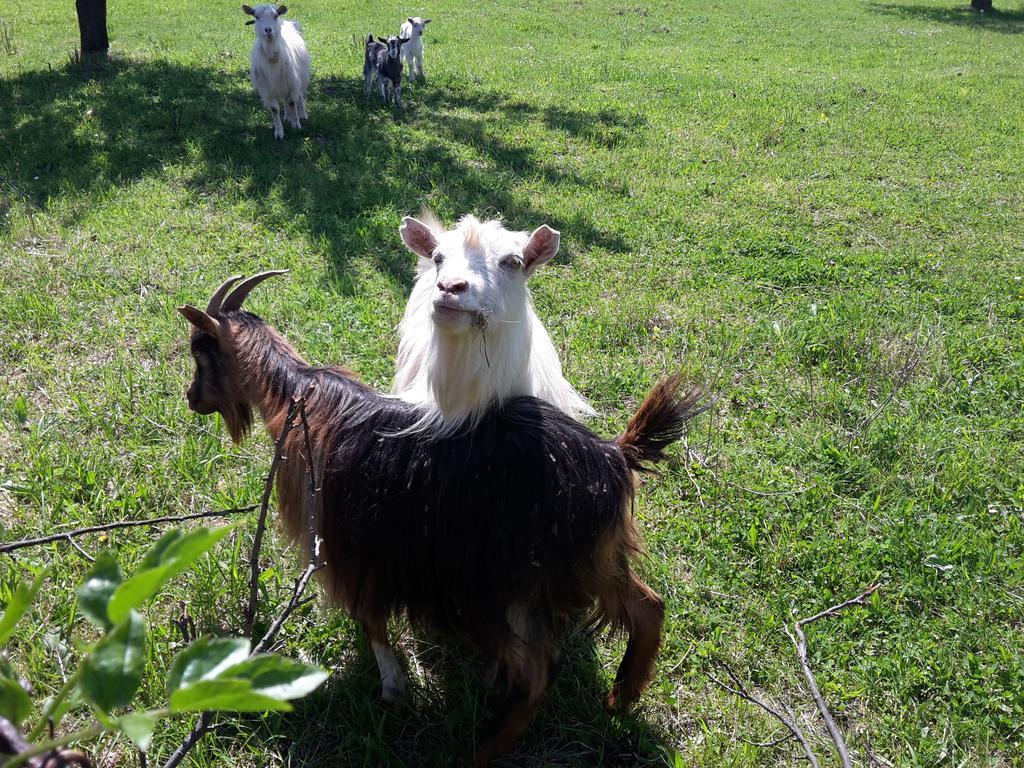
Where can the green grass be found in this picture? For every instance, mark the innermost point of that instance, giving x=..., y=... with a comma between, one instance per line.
x=795, y=202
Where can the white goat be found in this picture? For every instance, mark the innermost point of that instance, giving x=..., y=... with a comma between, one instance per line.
x=412, y=52
x=470, y=336
x=279, y=65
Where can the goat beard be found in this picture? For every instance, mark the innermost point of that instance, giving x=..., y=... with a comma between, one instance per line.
x=238, y=421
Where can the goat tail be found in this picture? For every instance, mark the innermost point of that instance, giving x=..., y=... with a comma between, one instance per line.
x=659, y=422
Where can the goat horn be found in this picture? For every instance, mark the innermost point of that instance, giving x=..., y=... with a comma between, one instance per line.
x=234, y=301
x=218, y=296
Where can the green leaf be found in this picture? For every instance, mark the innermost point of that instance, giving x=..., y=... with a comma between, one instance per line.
x=15, y=703
x=113, y=671
x=206, y=659
x=138, y=726
x=6, y=668
x=278, y=677
x=21, y=601
x=226, y=696
x=156, y=553
x=171, y=555
x=95, y=592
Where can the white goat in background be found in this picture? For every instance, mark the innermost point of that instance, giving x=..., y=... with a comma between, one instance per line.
x=279, y=65
x=412, y=52
x=470, y=336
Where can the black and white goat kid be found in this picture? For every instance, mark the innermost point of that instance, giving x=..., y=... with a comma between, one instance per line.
x=382, y=62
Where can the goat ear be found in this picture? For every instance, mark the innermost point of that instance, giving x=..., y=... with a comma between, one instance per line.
x=426, y=21
x=201, y=320
x=403, y=40
x=409, y=19
x=418, y=237
x=541, y=247
x=282, y=10
x=381, y=40
x=248, y=9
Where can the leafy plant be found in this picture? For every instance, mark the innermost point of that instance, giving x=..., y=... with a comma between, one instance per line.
x=211, y=674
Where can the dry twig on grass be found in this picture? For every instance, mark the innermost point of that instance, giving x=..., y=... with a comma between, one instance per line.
x=790, y=722
x=799, y=640
x=800, y=643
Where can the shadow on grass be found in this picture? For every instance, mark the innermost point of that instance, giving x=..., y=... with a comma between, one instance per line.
x=448, y=710
x=960, y=13
x=69, y=133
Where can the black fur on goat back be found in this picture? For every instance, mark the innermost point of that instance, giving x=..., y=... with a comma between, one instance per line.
x=455, y=531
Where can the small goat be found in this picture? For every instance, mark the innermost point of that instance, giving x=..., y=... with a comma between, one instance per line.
x=412, y=52
x=279, y=65
x=469, y=336
x=381, y=62
x=498, y=536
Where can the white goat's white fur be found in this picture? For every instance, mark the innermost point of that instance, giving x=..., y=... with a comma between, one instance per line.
x=279, y=66
x=456, y=364
x=412, y=52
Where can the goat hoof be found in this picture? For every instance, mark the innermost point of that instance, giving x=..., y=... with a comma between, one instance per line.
x=392, y=694
x=611, y=701
x=618, y=701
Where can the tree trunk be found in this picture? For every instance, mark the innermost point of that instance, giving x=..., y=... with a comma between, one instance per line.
x=92, y=26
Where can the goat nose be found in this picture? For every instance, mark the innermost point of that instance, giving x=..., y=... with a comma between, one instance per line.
x=453, y=286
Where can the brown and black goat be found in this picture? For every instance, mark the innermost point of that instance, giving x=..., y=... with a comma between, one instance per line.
x=500, y=534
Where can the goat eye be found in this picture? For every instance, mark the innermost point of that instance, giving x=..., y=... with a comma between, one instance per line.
x=438, y=258
x=511, y=262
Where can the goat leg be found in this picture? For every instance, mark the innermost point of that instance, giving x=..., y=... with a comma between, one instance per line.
x=644, y=614
x=530, y=677
x=392, y=679
x=275, y=111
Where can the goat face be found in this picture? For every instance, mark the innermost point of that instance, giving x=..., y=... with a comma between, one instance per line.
x=216, y=385
x=393, y=44
x=418, y=24
x=480, y=270
x=267, y=20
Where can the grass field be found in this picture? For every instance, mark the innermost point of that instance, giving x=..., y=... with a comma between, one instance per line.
x=816, y=208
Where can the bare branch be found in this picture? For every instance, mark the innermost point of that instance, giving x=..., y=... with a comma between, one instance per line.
x=861, y=599
x=300, y=587
x=78, y=547
x=14, y=545
x=203, y=723
x=770, y=744
x=788, y=721
x=312, y=489
x=800, y=643
x=257, y=543
x=198, y=731
x=909, y=366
